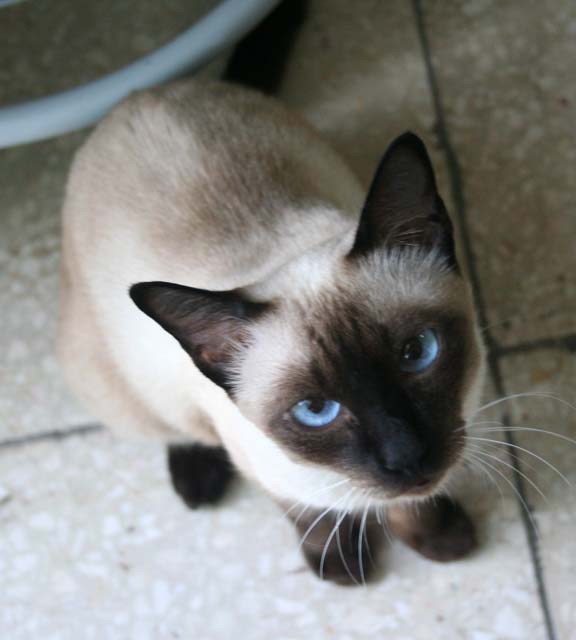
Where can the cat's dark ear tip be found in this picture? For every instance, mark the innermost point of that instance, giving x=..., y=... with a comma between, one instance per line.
x=409, y=139
x=139, y=293
x=136, y=291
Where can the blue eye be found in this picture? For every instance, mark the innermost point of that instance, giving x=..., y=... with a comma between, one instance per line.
x=316, y=413
x=419, y=352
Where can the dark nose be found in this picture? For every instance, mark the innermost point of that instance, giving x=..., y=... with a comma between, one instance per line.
x=403, y=450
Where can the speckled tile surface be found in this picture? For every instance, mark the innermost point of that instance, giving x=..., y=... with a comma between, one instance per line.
x=506, y=72
x=362, y=89
x=550, y=372
x=65, y=47
x=97, y=546
x=94, y=543
x=32, y=396
x=79, y=46
x=359, y=88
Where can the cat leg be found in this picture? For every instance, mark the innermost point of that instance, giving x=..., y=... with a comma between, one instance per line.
x=341, y=548
x=438, y=529
x=200, y=474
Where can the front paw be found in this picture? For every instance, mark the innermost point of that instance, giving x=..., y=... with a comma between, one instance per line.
x=346, y=568
x=339, y=550
x=200, y=474
x=439, y=530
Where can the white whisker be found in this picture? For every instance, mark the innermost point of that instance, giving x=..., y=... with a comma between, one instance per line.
x=527, y=394
x=479, y=451
x=471, y=425
x=527, y=451
x=518, y=495
x=525, y=462
x=384, y=524
x=342, y=556
x=322, y=514
x=340, y=518
x=312, y=495
x=360, y=541
x=530, y=429
x=367, y=540
x=480, y=465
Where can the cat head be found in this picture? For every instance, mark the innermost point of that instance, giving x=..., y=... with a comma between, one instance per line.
x=364, y=364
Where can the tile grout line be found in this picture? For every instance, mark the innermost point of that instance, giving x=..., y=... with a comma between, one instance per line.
x=563, y=343
x=494, y=352
x=54, y=434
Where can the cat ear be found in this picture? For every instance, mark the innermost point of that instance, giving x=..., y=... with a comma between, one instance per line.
x=208, y=325
x=403, y=207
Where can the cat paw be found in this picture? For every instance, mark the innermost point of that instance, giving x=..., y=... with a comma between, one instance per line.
x=335, y=553
x=200, y=474
x=345, y=570
x=439, y=530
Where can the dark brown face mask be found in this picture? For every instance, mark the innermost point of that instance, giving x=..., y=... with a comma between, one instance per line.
x=380, y=404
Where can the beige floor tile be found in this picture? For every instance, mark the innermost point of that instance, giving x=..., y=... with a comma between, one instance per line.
x=357, y=75
x=550, y=372
x=51, y=46
x=63, y=48
x=507, y=76
x=96, y=546
x=32, y=397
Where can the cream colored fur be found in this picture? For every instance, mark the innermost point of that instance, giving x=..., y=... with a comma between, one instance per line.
x=209, y=186
x=162, y=191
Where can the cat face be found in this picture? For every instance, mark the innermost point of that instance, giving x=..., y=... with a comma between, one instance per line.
x=370, y=378
x=367, y=371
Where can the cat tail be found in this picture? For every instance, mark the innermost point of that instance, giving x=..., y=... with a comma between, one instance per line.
x=260, y=59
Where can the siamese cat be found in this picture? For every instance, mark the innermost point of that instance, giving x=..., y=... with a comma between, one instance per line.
x=229, y=287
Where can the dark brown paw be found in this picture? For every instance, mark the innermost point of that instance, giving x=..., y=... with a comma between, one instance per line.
x=439, y=530
x=200, y=474
x=336, y=554
x=346, y=569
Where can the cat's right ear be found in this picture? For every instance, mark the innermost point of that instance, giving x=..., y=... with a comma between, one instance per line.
x=209, y=325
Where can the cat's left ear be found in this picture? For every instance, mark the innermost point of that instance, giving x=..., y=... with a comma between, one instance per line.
x=403, y=207
x=209, y=325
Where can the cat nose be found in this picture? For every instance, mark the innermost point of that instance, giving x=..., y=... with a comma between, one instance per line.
x=403, y=453
x=404, y=460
